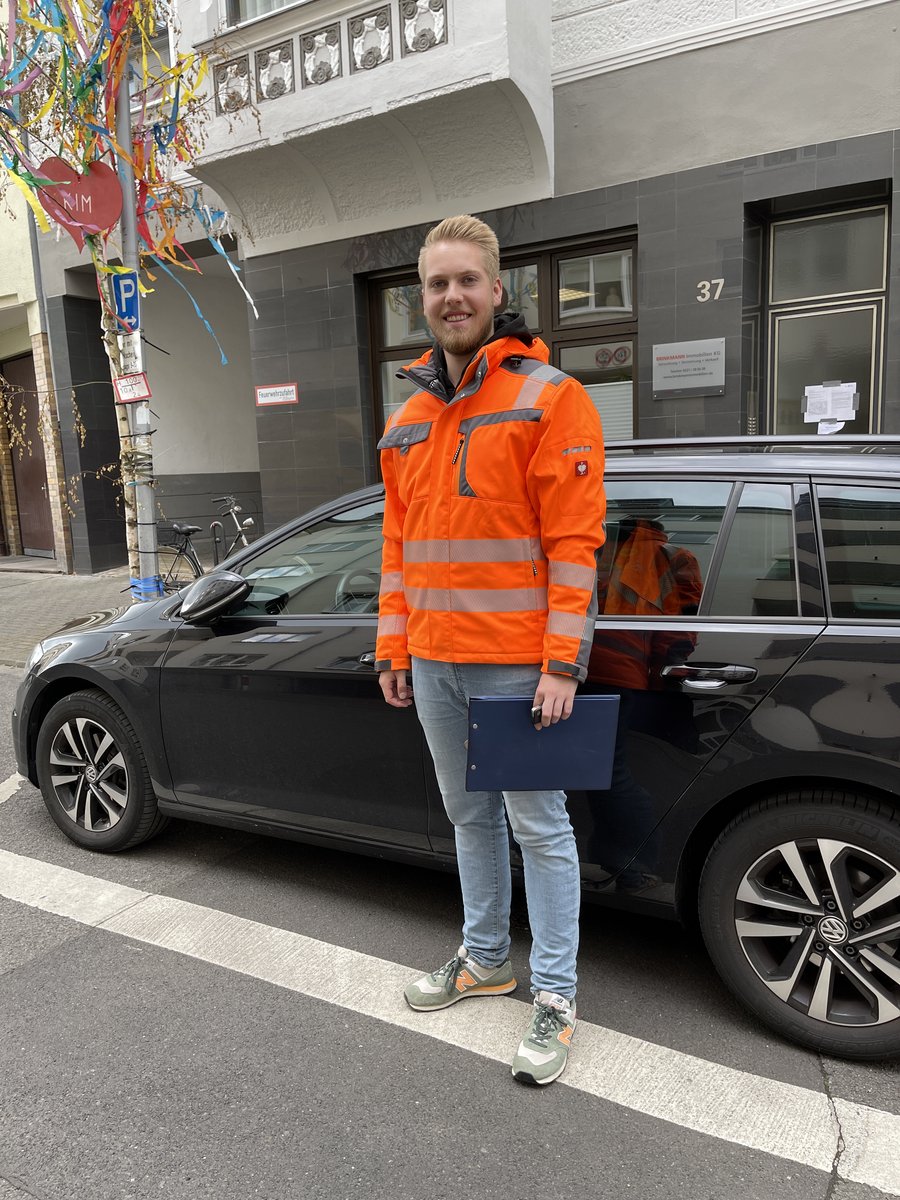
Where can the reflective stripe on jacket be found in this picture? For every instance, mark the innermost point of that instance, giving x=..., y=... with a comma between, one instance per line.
x=493, y=517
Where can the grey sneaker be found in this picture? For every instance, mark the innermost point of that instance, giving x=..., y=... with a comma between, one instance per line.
x=457, y=979
x=542, y=1053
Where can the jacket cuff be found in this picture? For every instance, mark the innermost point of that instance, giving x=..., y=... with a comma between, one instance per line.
x=397, y=664
x=552, y=666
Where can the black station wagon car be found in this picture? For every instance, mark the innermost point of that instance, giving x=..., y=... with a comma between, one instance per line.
x=749, y=619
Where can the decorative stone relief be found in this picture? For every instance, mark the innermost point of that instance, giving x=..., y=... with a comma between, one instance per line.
x=423, y=25
x=370, y=39
x=232, y=84
x=320, y=55
x=274, y=71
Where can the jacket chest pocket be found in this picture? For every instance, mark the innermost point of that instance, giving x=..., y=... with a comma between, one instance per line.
x=495, y=450
x=412, y=457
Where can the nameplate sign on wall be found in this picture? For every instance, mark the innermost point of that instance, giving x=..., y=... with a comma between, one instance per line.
x=279, y=393
x=689, y=369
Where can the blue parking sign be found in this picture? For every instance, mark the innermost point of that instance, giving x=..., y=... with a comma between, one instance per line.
x=127, y=298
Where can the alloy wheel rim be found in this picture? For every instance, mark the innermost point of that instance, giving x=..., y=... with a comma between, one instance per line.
x=818, y=920
x=88, y=774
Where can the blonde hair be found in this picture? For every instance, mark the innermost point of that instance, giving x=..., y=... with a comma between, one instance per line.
x=465, y=229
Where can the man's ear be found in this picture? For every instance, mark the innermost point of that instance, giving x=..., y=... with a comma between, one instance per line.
x=499, y=294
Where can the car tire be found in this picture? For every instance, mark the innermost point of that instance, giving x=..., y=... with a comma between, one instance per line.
x=799, y=904
x=93, y=774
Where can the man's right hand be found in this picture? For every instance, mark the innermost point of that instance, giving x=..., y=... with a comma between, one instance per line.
x=394, y=686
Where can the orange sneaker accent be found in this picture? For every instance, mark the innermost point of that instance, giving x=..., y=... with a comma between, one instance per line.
x=464, y=980
x=565, y=1035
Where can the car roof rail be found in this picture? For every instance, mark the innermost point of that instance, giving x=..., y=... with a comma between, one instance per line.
x=862, y=443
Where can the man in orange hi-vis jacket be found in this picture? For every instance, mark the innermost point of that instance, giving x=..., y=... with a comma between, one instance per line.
x=494, y=508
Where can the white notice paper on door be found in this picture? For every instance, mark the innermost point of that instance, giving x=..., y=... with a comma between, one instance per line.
x=830, y=402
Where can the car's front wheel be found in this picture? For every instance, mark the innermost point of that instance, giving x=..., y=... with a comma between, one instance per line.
x=93, y=774
x=800, y=911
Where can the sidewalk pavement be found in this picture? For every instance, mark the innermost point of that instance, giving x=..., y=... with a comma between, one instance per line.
x=34, y=603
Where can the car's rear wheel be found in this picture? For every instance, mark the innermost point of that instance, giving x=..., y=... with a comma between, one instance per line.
x=800, y=910
x=93, y=774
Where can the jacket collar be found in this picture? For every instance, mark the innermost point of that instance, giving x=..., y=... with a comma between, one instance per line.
x=430, y=371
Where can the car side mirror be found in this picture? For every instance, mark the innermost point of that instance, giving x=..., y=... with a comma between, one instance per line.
x=212, y=595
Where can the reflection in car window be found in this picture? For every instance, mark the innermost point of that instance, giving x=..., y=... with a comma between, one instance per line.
x=861, y=532
x=757, y=577
x=333, y=566
x=660, y=540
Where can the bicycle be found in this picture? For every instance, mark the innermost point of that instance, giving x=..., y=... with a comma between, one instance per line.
x=231, y=509
x=178, y=561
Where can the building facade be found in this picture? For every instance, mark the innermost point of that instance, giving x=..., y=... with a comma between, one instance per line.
x=693, y=202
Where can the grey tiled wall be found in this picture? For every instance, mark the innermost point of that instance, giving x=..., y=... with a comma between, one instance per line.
x=312, y=331
x=190, y=499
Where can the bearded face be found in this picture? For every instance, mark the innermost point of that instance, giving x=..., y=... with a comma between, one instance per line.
x=459, y=298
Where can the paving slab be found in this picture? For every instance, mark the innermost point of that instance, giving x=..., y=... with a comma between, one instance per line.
x=36, y=603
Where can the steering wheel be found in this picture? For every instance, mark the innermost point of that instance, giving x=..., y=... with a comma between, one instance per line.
x=357, y=591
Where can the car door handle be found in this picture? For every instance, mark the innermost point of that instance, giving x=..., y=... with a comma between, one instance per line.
x=367, y=659
x=709, y=678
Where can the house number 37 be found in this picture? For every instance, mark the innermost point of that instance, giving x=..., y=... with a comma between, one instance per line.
x=709, y=289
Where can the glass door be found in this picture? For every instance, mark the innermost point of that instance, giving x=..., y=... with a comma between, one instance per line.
x=827, y=276
x=828, y=346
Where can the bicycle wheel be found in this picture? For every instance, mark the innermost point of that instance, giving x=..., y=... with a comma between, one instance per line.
x=176, y=568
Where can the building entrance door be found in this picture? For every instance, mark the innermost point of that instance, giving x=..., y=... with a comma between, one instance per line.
x=29, y=469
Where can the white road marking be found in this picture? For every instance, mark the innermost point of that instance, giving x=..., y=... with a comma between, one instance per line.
x=792, y=1122
x=10, y=786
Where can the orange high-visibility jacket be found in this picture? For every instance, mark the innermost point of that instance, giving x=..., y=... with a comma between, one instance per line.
x=493, y=516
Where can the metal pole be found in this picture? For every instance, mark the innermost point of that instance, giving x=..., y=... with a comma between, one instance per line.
x=148, y=584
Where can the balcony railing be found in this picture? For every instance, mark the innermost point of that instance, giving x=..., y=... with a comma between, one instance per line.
x=354, y=44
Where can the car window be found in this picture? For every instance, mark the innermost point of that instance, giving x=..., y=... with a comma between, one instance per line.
x=333, y=566
x=757, y=576
x=660, y=541
x=861, y=533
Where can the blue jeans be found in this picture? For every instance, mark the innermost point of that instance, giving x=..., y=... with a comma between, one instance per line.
x=539, y=822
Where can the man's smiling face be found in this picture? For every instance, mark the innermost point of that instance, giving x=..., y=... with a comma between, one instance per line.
x=459, y=297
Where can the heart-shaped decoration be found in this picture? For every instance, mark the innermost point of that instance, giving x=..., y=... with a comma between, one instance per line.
x=88, y=203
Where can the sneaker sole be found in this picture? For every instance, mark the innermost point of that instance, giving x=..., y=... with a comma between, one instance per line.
x=525, y=1077
x=500, y=989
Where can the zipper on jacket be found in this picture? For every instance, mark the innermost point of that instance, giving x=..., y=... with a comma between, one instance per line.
x=456, y=455
x=533, y=567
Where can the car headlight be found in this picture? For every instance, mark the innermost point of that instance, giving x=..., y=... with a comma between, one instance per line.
x=34, y=658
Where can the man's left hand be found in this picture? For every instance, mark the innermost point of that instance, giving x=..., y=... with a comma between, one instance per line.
x=554, y=697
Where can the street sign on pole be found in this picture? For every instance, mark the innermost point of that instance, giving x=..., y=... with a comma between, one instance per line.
x=131, y=388
x=127, y=299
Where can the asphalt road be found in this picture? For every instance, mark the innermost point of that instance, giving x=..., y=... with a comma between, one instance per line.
x=216, y=1015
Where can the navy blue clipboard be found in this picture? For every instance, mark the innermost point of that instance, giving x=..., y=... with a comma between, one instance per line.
x=506, y=752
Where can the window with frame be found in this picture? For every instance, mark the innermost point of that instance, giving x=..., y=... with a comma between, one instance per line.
x=661, y=543
x=332, y=567
x=579, y=299
x=757, y=575
x=660, y=539
x=861, y=537
x=249, y=10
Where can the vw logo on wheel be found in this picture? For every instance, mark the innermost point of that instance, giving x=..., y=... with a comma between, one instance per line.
x=833, y=930
x=90, y=774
